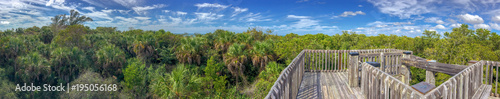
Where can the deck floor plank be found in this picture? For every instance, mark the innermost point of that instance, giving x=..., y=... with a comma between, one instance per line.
x=327, y=85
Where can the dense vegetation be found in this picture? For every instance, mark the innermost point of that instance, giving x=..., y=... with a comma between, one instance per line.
x=220, y=64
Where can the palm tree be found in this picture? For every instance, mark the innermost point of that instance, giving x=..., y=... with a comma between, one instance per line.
x=223, y=40
x=111, y=60
x=61, y=21
x=180, y=83
x=190, y=50
x=33, y=67
x=235, y=58
x=262, y=53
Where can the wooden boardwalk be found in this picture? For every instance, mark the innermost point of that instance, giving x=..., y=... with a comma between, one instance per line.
x=327, y=85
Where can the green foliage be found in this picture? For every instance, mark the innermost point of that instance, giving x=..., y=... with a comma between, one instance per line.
x=8, y=88
x=66, y=63
x=235, y=60
x=267, y=79
x=182, y=82
x=32, y=68
x=89, y=77
x=214, y=81
x=111, y=59
x=135, y=80
x=72, y=36
x=190, y=50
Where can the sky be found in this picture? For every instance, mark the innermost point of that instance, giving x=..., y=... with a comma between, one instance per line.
x=370, y=17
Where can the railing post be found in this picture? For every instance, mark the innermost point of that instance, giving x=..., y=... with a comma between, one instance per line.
x=353, y=69
x=430, y=76
x=403, y=67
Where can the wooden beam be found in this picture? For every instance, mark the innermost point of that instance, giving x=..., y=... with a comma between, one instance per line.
x=432, y=66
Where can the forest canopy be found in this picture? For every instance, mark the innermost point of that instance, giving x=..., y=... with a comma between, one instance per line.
x=219, y=64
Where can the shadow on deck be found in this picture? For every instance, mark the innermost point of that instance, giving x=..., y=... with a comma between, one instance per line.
x=327, y=85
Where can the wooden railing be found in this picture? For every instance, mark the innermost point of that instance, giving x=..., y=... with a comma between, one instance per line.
x=335, y=60
x=377, y=84
x=490, y=77
x=287, y=84
x=389, y=63
x=463, y=85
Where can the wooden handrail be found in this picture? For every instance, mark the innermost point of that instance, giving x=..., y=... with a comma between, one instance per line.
x=376, y=84
x=288, y=82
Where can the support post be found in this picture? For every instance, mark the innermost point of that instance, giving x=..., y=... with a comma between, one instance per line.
x=353, y=69
x=406, y=69
x=430, y=76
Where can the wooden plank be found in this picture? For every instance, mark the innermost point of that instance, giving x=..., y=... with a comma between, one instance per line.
x=433, y=66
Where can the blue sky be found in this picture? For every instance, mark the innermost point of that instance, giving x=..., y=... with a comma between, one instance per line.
x=370, y=17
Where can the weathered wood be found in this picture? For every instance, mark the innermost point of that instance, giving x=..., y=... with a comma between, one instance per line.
x=432, y=66
x=429, y=77
x=483, y=92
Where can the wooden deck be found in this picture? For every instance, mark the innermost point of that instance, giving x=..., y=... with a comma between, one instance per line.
x=327, y=85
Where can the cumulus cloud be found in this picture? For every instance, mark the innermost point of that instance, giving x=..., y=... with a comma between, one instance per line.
x=143, y=10
x=484, y=26
x=434, y=20
x=350, y=13
x=166, y=11
x=495, y=26
x=496, y=19
x=439, y=27
x=455, y=25
x=215, y=5
x=472, y=19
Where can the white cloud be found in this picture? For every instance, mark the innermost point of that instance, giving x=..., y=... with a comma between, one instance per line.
x=300, y=1
x=297, y=17
x=143, y=18
x=99, y=15
x=302, y=23
x=166, y=11
x=181, y=13
x=455, y=25
x=496, y=19
x=129, y=3
x=89, y=8
x=484, y=26
x=124, y=11
x=495, y=26
x=360, y=5
x=253, y=17
x=472, y=19
x=401, y=8
x=409, y=8
x=439, y=27
x=56, y=2
x=4, y=22
x=238, y=10
x=434, y=20
x=360, y=28
x=350, y=13
x=207, y=17
x=143, y=10
x=215, y=5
